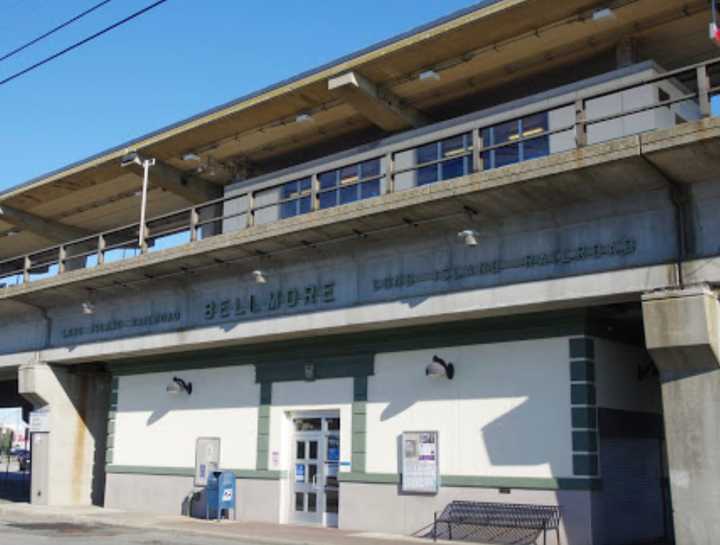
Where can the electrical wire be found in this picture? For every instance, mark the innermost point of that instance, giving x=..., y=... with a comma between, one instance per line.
x=53, y=30
x=81, y=42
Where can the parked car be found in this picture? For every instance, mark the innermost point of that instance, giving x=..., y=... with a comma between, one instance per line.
x=23, y=457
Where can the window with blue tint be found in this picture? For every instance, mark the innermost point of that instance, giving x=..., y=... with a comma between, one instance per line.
x=296, y=198
x=449, y=158
x=512, y=131
x=350, y=183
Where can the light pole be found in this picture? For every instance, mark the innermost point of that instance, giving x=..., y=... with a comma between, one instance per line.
x=135, y=159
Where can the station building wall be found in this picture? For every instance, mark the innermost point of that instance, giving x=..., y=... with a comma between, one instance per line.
x=507, y=423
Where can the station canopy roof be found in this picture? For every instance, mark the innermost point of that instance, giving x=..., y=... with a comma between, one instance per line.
x=470, y=59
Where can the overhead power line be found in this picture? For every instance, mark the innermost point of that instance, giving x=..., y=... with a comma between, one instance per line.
x=52, y=31
x=81, y=42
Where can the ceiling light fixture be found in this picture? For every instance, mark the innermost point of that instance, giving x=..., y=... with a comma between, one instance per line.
x=468, y=237
x=603, y=14
x=428, y=74
x=303, y=118
x=191, y=157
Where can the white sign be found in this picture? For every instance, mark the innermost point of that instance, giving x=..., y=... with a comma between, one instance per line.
x=420, y=462
x=40, y=421
x=207, y=458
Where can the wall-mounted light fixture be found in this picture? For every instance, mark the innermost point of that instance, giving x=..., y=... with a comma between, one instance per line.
x=178, y=385
x=88, y=306
x=259, y=277
x=191, y=157
x=468, y=237
x=439, y=368
x=303, y=117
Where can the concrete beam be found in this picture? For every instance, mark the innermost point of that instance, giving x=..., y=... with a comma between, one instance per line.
x=192, y=188
x=383, y=108
x=46, y=228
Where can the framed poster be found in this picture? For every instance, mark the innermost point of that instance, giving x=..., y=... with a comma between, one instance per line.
x=420, y=462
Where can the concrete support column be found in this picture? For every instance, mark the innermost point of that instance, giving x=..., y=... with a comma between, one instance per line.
x=78, y=403
x=683, y=337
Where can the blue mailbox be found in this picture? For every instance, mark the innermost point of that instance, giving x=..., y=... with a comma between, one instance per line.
x=220, y=492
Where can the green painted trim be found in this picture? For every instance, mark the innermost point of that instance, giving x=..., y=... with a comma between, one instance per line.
x=585, y=464
x=332, y=348
x=582, y=371
x=462, y=481
x=371, y=478
x=263, y=428
x=582, y=347
x=585, y=441
x=360, y=388
x=265, y=393
x=151, y=470
x=584, y=417
x=261, y=475
x=190, y=472
x=358, y=457
x=582, y=394
x=325, y=367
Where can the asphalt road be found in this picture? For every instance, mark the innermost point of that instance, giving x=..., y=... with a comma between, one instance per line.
x=44, y=533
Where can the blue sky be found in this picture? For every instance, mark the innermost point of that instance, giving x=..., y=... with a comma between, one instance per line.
x=179, y=59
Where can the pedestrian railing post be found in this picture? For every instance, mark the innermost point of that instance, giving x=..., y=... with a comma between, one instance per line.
x=101, y=249
x=580, y=123
x=703, y=85
x=194, y=220
x=27, y=264
x=62, y=255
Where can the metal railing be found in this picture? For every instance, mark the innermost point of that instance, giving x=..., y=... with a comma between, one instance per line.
x=203, y=220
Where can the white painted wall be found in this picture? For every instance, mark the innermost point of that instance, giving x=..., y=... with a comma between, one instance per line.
x=506, y=413
x=153, y=428
x=616, y=378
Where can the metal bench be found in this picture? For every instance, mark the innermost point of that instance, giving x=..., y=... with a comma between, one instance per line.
x=529, y=520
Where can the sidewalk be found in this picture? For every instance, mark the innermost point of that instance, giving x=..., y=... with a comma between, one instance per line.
x=249, y=532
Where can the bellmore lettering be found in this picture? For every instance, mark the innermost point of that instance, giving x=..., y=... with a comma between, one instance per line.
x=109, y=326
x=270, y=301
x=563, y=257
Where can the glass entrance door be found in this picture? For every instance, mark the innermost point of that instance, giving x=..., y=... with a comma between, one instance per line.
x=316, y=459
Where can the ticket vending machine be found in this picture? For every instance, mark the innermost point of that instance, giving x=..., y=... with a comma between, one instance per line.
x=207, y=461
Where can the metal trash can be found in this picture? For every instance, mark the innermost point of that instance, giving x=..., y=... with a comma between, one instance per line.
x=220, y=495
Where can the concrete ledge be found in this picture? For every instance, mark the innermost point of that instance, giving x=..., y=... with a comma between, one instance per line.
x=682, y=330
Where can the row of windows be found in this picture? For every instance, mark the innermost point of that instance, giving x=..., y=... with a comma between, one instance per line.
x=339, y=186
x=441, y=160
